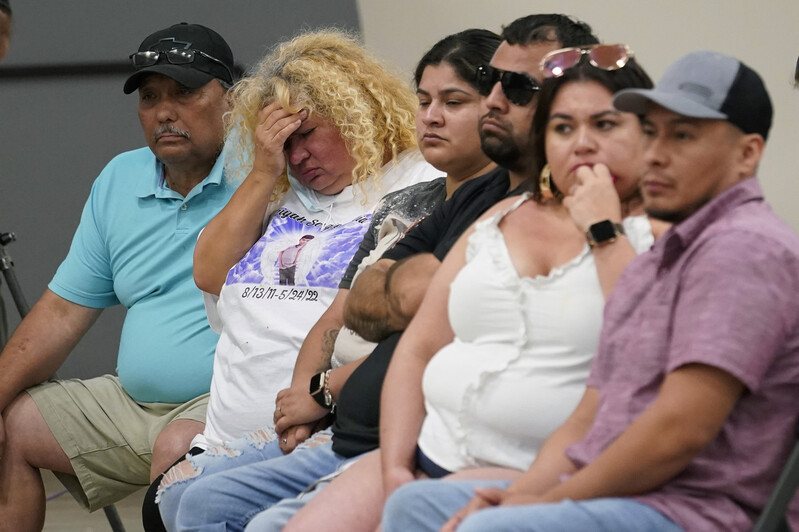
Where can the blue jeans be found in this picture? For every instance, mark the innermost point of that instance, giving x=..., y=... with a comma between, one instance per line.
x=275, y=518
x=227, y=501
x=254, y=447
x=428, y=504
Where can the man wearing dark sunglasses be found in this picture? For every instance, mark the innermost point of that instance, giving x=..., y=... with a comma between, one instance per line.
x=106, y=437
x=510, y=83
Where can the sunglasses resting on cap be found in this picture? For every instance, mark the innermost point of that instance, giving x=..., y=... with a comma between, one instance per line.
x=175, y=56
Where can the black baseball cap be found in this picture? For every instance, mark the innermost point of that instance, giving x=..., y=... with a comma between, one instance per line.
x=707, y=85
x=194, y=74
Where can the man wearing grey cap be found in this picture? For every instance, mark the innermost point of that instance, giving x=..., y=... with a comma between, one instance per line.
x=690, y=409
x=106, y=437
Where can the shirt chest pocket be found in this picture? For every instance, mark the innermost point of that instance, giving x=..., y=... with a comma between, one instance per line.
x=641, y=342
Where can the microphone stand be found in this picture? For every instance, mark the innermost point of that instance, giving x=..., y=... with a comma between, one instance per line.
x=7, y=267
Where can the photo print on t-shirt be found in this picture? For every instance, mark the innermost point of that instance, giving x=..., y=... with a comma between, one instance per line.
x=295, y=251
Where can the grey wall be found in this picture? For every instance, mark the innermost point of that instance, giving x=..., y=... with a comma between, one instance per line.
x=57, y=134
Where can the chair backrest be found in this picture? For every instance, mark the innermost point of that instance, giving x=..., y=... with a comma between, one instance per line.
x=773, y=517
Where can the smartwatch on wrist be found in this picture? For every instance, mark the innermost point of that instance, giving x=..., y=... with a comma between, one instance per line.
x=320, y=391
x=604, y=232
x=317, y=389
x=330, y=404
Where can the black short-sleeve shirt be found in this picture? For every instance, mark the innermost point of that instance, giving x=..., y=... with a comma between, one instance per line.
x=439, y=231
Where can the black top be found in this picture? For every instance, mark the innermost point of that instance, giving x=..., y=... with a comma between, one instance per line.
x=355, y=430
x=439, y=231
x=408, y=204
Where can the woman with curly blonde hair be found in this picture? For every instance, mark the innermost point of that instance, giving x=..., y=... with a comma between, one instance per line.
x=330, y=75
x=316, y=136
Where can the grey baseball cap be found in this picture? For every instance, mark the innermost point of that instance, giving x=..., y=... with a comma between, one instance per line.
x=707, y=85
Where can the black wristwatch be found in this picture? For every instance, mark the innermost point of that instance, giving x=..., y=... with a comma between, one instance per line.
x=603, y=232
x=320, y=391
x=317, y=389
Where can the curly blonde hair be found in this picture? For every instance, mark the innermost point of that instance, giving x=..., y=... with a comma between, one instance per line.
x=330, y=74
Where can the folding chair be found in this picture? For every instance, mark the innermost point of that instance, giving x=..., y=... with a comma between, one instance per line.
x=7, y=267
x=773, y=518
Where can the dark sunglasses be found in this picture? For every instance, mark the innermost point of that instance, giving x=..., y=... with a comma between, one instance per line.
x=519, y=88
x=604, y=56
x=175, y=56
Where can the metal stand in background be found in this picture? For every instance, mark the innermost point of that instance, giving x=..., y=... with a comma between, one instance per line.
x=7, y=267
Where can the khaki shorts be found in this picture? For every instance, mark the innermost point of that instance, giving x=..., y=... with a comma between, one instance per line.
x=107, y=436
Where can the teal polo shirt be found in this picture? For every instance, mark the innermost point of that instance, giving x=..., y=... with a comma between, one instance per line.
x=134, y=246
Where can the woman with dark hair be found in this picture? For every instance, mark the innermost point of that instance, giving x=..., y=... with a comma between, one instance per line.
x=447, y=134
x=497, y=382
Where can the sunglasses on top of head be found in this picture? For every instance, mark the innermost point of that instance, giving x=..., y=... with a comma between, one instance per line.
x=519, y=88
x=604, y=56
x=175, y=56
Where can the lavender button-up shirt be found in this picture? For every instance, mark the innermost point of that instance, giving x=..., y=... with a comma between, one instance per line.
x=721, y=289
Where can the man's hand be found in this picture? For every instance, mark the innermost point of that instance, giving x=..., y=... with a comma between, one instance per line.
x=295, y=407
x=483, y=498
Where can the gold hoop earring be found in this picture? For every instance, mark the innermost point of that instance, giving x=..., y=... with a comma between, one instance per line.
x=544, y=183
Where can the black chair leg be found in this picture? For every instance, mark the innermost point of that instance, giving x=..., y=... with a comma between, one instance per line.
x=113, y=518
x=773, y=518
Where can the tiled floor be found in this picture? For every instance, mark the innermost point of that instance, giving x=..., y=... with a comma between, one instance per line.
x=64, y=514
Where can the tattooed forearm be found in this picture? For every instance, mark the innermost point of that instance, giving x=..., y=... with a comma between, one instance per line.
x=328, y=342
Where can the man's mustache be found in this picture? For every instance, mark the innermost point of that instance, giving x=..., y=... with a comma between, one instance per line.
x=168, y=129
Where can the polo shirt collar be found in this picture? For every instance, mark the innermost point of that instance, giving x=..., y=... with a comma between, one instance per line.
x=682, y=235
x=155, y=183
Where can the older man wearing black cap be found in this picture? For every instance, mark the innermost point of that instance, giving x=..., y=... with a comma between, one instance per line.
x=106, y=437
x=690, y=409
